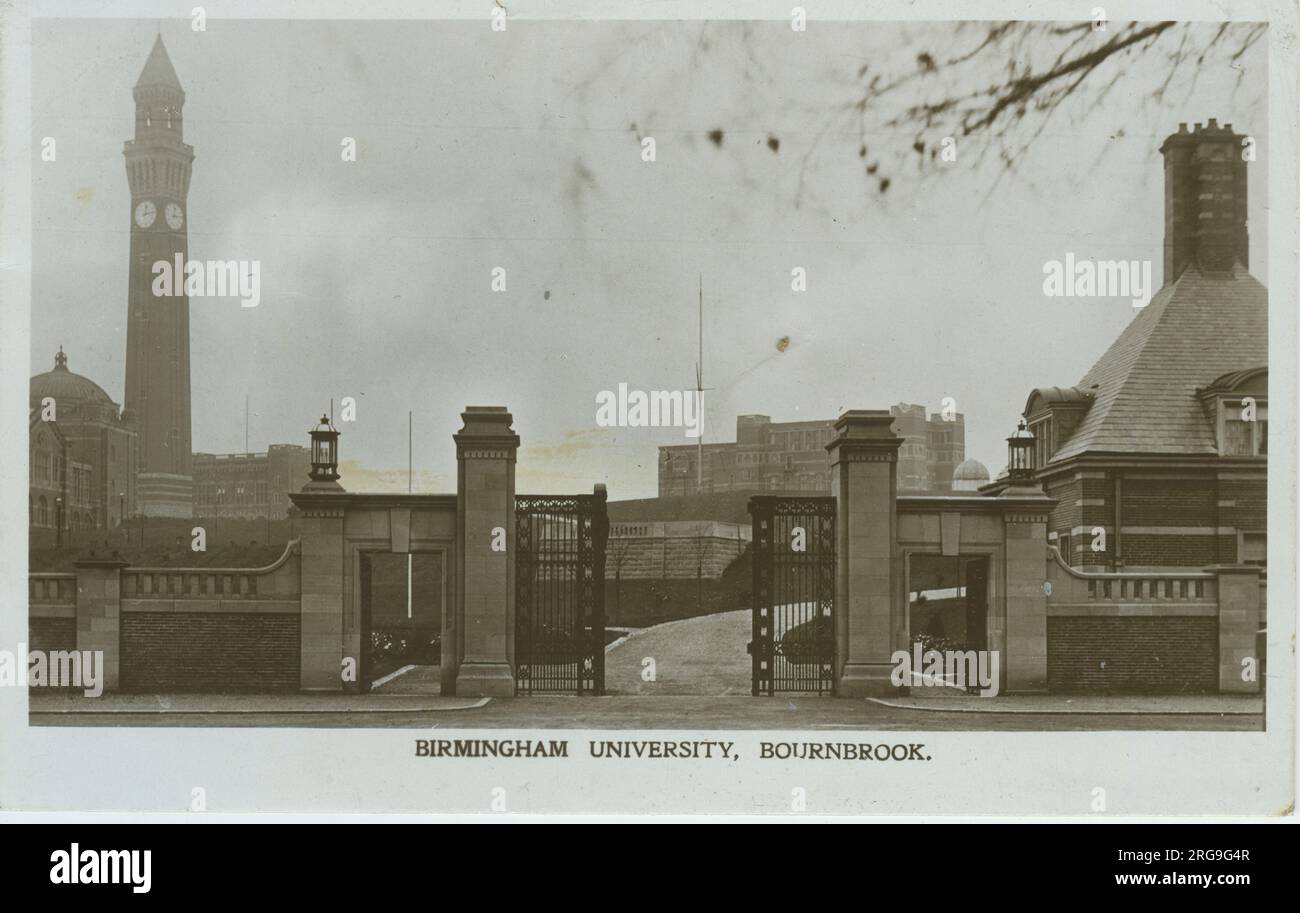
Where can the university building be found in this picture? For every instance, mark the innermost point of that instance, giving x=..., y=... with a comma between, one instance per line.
x=81, y=453
x=1158, y=457
x=792, y=456
x=249, y=485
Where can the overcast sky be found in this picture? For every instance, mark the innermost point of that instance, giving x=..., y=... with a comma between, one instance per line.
x=521, y=150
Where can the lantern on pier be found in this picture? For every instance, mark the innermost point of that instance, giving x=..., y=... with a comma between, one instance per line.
x=324, y=451
x=1020, y=454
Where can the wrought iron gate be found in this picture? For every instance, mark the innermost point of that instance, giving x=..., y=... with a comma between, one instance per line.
x=793, y=645
x=560, y=593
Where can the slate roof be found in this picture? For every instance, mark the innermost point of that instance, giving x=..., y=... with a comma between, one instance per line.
x=1194, y=330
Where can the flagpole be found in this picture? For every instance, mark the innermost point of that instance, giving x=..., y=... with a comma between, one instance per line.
x=699, y=398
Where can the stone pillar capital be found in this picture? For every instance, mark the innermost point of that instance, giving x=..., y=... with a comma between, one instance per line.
x=864, y=435
x=1023, y=489
x=1028, y=513
x=486, y=434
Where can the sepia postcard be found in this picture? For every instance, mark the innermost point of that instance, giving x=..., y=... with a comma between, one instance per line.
x=816, y=408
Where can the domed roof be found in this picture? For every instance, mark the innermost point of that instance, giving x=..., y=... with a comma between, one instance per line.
x=971, y=471
x=67, y=387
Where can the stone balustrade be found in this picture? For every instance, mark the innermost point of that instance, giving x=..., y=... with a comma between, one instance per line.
x=46, y=589
x=1073, y=592
x=206, y=589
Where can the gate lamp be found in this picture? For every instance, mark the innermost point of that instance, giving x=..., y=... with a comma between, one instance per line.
x=1020, y=454
x=324, y=452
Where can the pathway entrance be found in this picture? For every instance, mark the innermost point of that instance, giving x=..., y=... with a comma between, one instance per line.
x=402, y=597
x=700, y=656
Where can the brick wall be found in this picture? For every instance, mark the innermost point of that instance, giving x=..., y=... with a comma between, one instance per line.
x=1173, y=550
x=1067, y=513
x=1169, y=502
x=1247, y=510
x=1129, y=655
x=50, y=634
x=196, y=652
x=1069, y=516
x=1204, y=503
x=1092, y=515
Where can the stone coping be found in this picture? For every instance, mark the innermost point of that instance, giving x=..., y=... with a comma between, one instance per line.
x=1209, y=573
x=291, y=548
x=229, y=704
x=360, y=500
x=972, y=503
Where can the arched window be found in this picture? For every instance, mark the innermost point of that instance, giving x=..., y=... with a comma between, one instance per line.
x=42, y=512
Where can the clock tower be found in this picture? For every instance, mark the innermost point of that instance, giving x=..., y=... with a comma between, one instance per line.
x=158, y=327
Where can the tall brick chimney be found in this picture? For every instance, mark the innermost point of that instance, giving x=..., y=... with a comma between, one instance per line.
x=1205, y=199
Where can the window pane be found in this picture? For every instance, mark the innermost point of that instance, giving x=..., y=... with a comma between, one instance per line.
x=1237, y=437
x=1254, y=548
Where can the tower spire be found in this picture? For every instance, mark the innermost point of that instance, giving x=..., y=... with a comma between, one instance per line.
x=158, y=71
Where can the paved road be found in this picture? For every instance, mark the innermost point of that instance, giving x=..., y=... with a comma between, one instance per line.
x=676, y=712
x=695, y=656
x=702, y=682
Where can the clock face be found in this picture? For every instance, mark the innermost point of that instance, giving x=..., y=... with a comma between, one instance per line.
x=175, y=218
x=145, y=213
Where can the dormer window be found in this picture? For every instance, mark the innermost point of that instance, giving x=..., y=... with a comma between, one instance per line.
x=1053, y=414
x=1243, y=426
x=1044, y=440
x=1237, y=403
